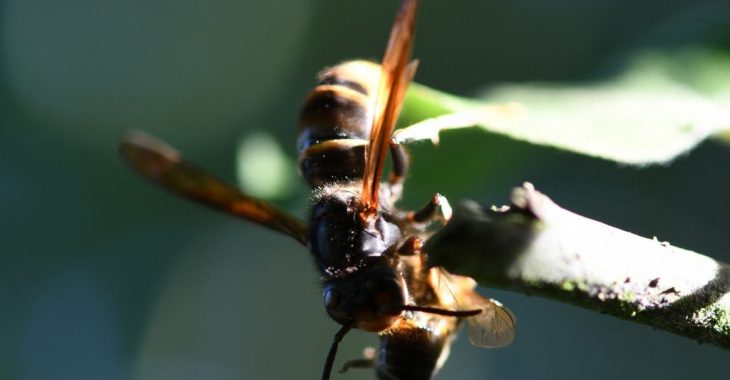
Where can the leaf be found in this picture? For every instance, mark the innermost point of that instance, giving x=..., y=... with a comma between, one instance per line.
x=660, y=107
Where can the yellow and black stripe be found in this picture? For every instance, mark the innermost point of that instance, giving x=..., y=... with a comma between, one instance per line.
x=335, y=123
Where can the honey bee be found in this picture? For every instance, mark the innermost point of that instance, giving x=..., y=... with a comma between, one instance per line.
x=369, y=253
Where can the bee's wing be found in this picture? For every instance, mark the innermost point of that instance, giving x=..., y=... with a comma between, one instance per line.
x=396, y=74
x=162, y=164
x=493, y=327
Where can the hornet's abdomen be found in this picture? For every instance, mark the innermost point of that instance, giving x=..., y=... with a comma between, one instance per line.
x=335, y=123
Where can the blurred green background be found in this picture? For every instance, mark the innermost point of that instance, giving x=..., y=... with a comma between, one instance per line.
x=103, y=276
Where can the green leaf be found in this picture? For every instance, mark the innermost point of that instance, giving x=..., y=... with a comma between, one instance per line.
x=660, y=107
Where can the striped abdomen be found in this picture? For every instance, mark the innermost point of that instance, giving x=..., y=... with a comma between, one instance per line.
x=415, y=350
x=335, y=123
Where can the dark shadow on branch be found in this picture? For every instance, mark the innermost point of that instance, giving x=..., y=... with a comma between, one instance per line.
x=482, y=240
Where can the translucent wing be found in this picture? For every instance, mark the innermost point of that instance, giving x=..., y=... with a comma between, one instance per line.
x=493, y=327
x=396, y=74
x=162, y=164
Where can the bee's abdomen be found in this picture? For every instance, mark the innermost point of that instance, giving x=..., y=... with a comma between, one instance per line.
x=411, y=353
x=335, y=123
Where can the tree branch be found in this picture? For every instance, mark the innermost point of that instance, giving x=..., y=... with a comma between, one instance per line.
x=536, y=247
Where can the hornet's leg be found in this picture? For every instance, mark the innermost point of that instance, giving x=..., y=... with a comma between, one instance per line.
x=411, y=246
x=437, y=209
x=399, y=170
x=368, y=361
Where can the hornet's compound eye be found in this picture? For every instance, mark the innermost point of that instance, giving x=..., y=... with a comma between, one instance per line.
x=385, y=293
x=332, y=298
